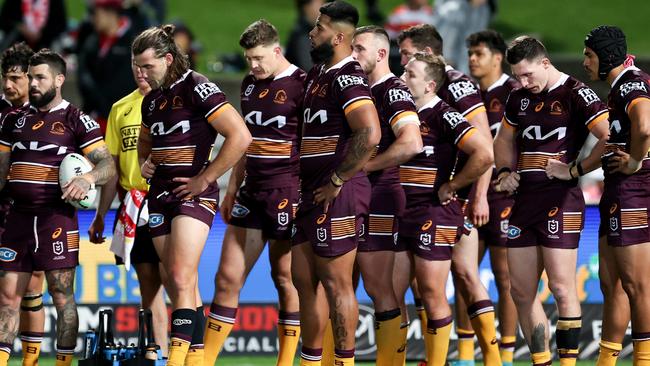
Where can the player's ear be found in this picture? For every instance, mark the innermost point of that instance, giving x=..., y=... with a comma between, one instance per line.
x=169, y=59
x=59, y=79
x=382, y=53
x=428, y=50
x=431, y=87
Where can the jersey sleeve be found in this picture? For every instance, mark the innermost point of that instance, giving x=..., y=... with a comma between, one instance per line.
x=634, y=91
x=208, y=99
x=6, y=125
x=511, y=111
x=87, y=133
x=590, y=109
x=350, y=88
x=400, y=107
x=456, y=128
x=466, y=98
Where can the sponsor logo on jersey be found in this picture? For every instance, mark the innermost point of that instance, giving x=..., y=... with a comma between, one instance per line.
x=38, y=125
x=513, y=232
x=206, y=90
x=283, y=204
x=129, y=135
x=534, y=132
x=399, y=95
x=321, y=234
x=553, y=226
x=427, y=225
x=255, y=118
x=158, y=128
x=280, y=97
x=631, y=86
x=613, y=223
x=462, y=88
x=263, y=93
x=283, y=218
x=425, y=239
x=56, y=233
x=181, y=321
x=539, y=106
x=7, y=255
x=156, y=220
x=37, y=146
x=504, y=226
x=453, y=118
x=128, y=111
x=88, y=122
x=553, y=211
x=506, y=212
x=319, y=116
x=588, y=96
x=57, y=247
x=321, y=219
x=163, y=104
x=346, y=81
x=239, y=210
x=613, y=208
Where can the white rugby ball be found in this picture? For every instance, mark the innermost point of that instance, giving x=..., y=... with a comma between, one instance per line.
x=74, y=165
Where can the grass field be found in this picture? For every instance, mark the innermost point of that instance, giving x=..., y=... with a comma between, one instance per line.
x=259, y=361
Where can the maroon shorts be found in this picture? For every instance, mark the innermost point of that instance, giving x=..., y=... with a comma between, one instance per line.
x=336, y=232
x=431, y=231
x=164, y=206
x=386, y=208
x=269, y=210
x=624, y=212
x=40, y=241
x=494, y=233
x=552, y=218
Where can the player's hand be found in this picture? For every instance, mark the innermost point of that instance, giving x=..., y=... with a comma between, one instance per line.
x=96, y=230
x=557, y=169
x=76, y=188
x=446, y=194
x=617, y=163
x=191, y=187
x=147, y=169
x=326, y=195
x=507, y=182
x=479, y=211
x=226, y=207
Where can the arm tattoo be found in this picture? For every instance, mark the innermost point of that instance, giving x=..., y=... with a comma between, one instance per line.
x=61, y=287
x=8, y=324
x=5, y=164
x=104, y=165
x=538, y=339
x=357, y=153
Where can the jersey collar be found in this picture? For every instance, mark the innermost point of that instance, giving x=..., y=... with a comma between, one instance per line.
x=432, y=103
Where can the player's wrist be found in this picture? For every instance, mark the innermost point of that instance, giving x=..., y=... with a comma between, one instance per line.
x=90, y=179
x=336, y=180
x=634, y=165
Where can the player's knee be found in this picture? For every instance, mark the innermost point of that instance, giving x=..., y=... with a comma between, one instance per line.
x=635, y=288
x=521, y=296
x=31, y=302
x=335, y=287
x=181, y=279
x=227, y=282
x=502, y=281
x=561, y=292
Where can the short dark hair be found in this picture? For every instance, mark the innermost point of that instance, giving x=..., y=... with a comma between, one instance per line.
x=340, y=11
x=374, y=30
x=525, y=48
x=435, y=67
x=161, y=41
x=490, y=38
x=423, y=35
x=50, y=58
x=16, y=56
x=260, y=33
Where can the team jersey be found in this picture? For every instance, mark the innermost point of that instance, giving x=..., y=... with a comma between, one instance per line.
x=177, y=118
x=330, y=94
x=271, y=109
x=630, y=86
x=38, y=142
x=552, y=124
x=5, y=108
x=122, y=131
x=443, y=131
x=395, y=108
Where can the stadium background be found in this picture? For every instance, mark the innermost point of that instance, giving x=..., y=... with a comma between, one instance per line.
x=560, y=24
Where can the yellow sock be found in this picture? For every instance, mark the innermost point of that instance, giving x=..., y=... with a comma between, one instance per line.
x=328, y=345
x=567, y=338
x=217, y=328
x=465, y=344
x=304, y=362
x=400, y=357
x=438, y=338
x=422, y=315
x=541, y=358
x=387, y=326
x=642, y=351
x=5, y=350
x=481, y=314
x=311, y=356
x=195, y=356
x=608, y=354
x=31, y=349
x=63, y=359
x=343, y=357
x=507, y=348
x=178, y=349
x=288, y=336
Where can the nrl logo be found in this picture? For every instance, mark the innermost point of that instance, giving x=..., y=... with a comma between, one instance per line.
x=553, y=226
x=524, y=104
x=321, y=234
x=613, y=223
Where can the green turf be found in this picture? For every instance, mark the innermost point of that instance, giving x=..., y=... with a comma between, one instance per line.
x=259, y=361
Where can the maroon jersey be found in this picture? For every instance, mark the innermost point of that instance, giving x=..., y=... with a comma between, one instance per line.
x=395, y=107
x=271, y=108
x=443, y=130
x=177, y=119
x=38, y=142
x=551, y=125
x=329, y=96
x=631, y=86
x=495, y=98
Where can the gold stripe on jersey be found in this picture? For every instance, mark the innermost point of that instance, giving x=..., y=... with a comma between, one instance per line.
x=465, y=136
x=635, y=101
x=472, y=112
x=356, y=104
x=92, y=145
x=72, y=238
x=33, y=173
x=318, y=146
x=634, y=218
x=445, y=235
x=599, y=117
x=216, y=111
x=380, y=224
x=173, y=156
x=4, y=148
x=343, y=227
x=533, y=161
x=269, y=149
x=571, y=222
x=417, y=176
x=406, y=114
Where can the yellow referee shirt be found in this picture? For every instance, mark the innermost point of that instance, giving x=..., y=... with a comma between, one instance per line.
x=122, y=133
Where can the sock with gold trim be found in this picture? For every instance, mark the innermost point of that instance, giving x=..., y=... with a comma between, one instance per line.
x=64, y=355
x=328, y=344
x=567, y=339
x=288, y=336
x=422, y=315
x=641, y=343
x=481, y=314
x=608, y=353
x=310, y=356
x=31, y=342
x=400, y=357
x=541, y=358
x=465, y=344
x=507, y=349
x=5, y=351
x=220, y=322
x=195, y=354
x=387, y=325
x=344, y=357
x=438, y=331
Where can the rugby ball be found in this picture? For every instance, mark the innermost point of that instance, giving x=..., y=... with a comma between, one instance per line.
x=74, y=165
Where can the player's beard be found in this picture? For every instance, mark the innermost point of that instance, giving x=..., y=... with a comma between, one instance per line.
x=43, y=99
x=322, y=53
